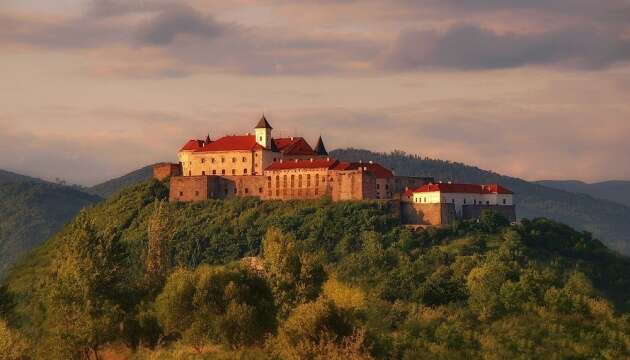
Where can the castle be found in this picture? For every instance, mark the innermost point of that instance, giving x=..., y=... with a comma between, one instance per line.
x=269, y=168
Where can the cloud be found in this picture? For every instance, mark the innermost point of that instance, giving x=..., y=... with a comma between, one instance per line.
x=190, y=38
x=470, y=47
x=163, y=29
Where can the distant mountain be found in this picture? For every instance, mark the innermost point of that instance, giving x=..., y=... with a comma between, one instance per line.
x=9, y=177
x=616, y=191
x=32, y=210
x=111, y=187
x=607, y=220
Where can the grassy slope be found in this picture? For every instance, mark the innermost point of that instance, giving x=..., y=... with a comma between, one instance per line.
x=606, y=220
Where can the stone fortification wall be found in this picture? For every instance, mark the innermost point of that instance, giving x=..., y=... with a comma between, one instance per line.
x=165, y=170
x=427, y=214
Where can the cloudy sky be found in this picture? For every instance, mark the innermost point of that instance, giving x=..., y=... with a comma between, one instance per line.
x=538, y=89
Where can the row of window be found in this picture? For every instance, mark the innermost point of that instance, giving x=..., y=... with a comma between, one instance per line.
x=212, y=160
x=424, y=200
x=223, y=172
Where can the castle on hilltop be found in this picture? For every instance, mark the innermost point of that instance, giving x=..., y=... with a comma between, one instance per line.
x=269, y=168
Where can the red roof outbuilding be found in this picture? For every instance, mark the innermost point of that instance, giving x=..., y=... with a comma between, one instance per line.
x=464, y=188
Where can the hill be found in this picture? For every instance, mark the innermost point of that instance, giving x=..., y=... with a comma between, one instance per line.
x=112, y=186
x=10, y=177
x=31, y=211
x=615, y=191
x=244, y=278
x=606, y=220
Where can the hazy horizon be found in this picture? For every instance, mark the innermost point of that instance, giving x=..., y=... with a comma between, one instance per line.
x=533, y=89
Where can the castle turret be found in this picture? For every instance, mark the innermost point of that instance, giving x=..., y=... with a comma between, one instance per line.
x=320, y=149
x=263, y=132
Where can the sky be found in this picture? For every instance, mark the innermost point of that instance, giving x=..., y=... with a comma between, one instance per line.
x=537, y=89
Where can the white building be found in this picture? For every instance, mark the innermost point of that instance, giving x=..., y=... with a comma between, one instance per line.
x=463, y=194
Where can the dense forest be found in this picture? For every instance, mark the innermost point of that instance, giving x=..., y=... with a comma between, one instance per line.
x=138, y=277
x=605, y=219
x=32, y=210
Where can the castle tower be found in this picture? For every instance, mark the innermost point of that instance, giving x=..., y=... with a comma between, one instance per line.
x=320, y=149
x=263, y=133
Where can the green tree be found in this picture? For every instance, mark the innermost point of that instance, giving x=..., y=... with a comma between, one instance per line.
x=232, y=306
x=83, y=309
x=13, y=346
x=295, y=277
x=157, y=261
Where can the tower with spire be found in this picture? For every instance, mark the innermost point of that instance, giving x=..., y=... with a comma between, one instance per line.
x=263, y=132
x=320, y=149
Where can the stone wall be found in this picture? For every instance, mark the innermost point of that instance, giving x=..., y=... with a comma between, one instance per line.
x=475, y=211
x=427, y=214
x=353, y=185
x=400, y=184
x=189, y=188
x=165, y=170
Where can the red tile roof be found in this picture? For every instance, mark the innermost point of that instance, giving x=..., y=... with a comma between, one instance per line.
x=192, y=145
x=378, y=170
x=232, y=143
x=464, y=188
x=303, y=164
x=294, y=146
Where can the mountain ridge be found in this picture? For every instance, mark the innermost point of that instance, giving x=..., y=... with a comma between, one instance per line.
x=612, y=190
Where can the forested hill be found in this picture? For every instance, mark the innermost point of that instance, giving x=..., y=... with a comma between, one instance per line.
x=606, y=220
x=31, y=210
x=111, y=187
x=615, y=191
x=136, y=276
x=10, y=177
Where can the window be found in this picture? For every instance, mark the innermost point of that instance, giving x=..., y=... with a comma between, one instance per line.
x=300, y=180
x=386, y=186
x=196, y=193
x=203, y=160
x=277, y=181
x=259, y=138
x=504, y=202
x=203, y=173
x=214, y=172
x=378, y=186
x=233, y=159
x=260, y=190
x=277, y=192
x=487, y=202
x=246, y=190
x=453, y=201
x=235, y=190
x=223, y=171
x=181, y=193
x=464, y=201
x=244, y=171
x=292, y=180
x=308, y=180
x=244, y=159
x=233, y=171
x=212, y=160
